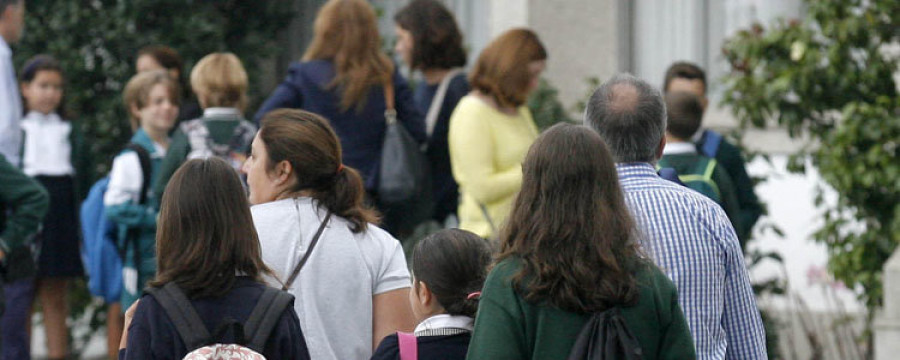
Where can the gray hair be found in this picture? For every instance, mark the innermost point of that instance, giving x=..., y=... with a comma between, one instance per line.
x=630, y=116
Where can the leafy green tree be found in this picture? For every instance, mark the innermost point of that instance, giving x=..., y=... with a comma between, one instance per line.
x=829, y=78
x=97, y=41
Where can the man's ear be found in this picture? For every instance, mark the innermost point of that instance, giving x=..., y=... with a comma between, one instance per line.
x=659, y=150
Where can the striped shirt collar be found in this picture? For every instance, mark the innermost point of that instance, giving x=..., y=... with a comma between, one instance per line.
x=445, y=324
x=636, y=170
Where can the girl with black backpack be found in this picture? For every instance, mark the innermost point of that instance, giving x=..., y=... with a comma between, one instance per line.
x=208, y=298
x=570, y=260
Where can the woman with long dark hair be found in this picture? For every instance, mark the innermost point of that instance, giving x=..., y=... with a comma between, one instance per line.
x=209, y=252
x=319, y=236
x=429, y=41
x=568, y=251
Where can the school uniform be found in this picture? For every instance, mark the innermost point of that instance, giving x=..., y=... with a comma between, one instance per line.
x=123, y=207
x=23, y=203
x=50, y=154
x=440, y=337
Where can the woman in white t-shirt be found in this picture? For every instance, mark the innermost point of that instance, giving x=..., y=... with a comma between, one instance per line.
x=353, y=285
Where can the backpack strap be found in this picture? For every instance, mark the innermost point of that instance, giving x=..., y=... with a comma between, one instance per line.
x=146, y=171
x=709, y=143
x=182, y=314
x=265, y=315
x=703, y=173
x=409, y=347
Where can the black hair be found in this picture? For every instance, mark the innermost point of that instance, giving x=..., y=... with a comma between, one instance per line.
x=437, y=41
x=685, y=113
x=34, y=66
x=453, y=263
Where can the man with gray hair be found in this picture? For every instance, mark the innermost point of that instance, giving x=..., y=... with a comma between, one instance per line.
x=686, y=233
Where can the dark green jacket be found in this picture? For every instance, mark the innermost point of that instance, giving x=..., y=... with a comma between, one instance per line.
x=508, y=327
x=749, y=208
x=23, y=204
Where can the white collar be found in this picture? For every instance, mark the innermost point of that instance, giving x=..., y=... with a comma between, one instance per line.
x=679, y=148
x=220, y=111
x=443, y=321
x=4, y=48
x=37, y=116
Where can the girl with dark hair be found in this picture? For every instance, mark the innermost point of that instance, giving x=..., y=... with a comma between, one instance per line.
x=53, y=154
x=208, y=248
x=310, y=213
x=570, y=250
x=428, y=40
x=161, y=57
x=448, y=268
x=491, y=129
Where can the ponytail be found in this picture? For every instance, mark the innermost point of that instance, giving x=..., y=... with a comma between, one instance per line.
x=346, y=198
x=309, y=144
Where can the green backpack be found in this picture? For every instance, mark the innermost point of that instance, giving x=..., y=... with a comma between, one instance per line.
x=700, y=178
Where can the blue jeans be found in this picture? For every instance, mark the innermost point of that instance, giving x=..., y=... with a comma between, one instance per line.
x=14, y=341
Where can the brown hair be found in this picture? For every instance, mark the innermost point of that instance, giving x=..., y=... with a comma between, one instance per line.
x=165, y=56
x=685, y=113
x=570, y=227
x=308, y=143
x=346, y=33
x=205, y=231
x=437, y=42
x=137, y=92
x=502, y=68
x=219, y=80
x=684, y=70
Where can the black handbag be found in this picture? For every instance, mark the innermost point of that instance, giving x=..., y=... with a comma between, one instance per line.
x=403, y=175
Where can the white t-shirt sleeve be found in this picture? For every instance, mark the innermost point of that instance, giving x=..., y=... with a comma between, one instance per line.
x=393, y=273
x=125, y=180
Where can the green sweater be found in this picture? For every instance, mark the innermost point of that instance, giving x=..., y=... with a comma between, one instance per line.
x=28, y=201
x=508, y=327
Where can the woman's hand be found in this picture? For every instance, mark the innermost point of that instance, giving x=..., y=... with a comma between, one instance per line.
x=129, y=314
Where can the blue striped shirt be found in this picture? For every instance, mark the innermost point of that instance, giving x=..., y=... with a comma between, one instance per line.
x=692, y=241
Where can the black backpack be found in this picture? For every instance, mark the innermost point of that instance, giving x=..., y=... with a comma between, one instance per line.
x=252, y=334
x=606, y=336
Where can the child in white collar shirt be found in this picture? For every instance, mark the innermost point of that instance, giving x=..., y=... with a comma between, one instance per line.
x=449, y=269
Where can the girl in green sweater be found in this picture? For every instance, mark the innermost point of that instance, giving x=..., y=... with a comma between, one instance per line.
x=569, y=250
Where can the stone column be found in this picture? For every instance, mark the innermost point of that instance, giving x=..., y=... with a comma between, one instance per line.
x=887, y=321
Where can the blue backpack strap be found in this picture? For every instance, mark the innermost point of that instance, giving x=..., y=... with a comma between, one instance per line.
x=709, y=143
x=146, y=172
x=669, y=174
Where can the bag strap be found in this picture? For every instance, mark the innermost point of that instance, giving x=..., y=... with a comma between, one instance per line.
x=409, y=347
x=146, y=172
x=309, y=251
x=182, y=314
x=487, y=216
x=265, y=316
x=438, y=101
x=709, y=143
x=390, y=112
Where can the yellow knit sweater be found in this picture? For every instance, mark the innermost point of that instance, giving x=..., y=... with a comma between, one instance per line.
x=487, y=148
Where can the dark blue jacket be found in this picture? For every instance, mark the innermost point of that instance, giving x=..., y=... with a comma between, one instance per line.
x=451, y=347
x=361, y=131
x=445, y=189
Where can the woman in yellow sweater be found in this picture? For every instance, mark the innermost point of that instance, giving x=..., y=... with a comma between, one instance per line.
x=491, y=129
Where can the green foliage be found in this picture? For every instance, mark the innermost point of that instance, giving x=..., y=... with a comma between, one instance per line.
x=97, y=42
x=545, y=106
x=830, y=77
